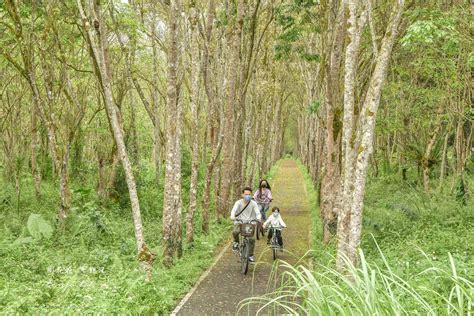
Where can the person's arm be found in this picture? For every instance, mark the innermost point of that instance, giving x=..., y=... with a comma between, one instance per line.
x=267, y=222
x=269, y=195
x=234, y=210
x=282, y=223
x=257, y=210
x=255, y=196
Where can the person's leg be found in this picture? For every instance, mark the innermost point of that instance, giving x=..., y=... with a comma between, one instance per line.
x=261, y=207
x=280, y=239
x=236, y=232
x=265, y=209
x=251, y=246
x=270, y=234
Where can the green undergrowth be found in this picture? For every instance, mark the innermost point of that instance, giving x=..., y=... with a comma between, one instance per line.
x=92, y=266
x=416, y=257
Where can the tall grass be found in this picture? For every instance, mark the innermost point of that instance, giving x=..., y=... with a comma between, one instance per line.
x=366, y=289
x=394, y=275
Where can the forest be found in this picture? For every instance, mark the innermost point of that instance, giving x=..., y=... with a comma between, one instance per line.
x=130, y=127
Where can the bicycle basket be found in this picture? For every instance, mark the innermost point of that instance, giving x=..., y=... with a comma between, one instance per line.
x=247, y=230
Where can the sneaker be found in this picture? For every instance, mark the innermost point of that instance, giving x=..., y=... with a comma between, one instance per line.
x=235, y=246
x=252, y=259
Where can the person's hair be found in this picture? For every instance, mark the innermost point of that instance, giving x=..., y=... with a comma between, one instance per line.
x=275, y=209
x=260, y=186
x=246, y=189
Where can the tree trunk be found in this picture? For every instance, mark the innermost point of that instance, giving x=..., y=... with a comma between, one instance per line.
x=213, y=108
x=348, y=138
x=330, y=196
x=195, y=76
x=228, y=161
x=172, y=194
x=156, y=106
x=442, y=171
x=97, y=40
x=363, y=146
x=34, y=144
x=425, y=160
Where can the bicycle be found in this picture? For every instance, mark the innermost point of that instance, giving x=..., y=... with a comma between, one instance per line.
x=246, y=230
x=260, y=229
x=274, y=241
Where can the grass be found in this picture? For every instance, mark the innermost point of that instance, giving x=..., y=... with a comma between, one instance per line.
x=368, y=289
x=416, y=258
x=92, y=266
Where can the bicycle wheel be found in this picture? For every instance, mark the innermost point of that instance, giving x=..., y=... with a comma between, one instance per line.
x=274, y=244
x=244, y=259
x=258, y=230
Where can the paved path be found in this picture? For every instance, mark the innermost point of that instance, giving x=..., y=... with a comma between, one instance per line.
x=224, y=287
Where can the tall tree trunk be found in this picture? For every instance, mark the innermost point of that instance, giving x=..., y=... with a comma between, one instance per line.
x=195, y=73
x=33, y=150
x=363, y=145
x=425, y=160
x=213, y=109
x=156, y=105
x=172, y=195
x=97, y=40
x=330, y=195
x=442, y=171
x=229, y=126
x=348, y=138
x=64, y=188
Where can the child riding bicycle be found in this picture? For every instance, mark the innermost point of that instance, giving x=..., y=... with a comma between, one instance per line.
x=275, y=221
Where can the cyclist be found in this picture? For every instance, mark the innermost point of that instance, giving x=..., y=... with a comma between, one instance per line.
x=275, y=220
x=263, y=197
x=245, y=210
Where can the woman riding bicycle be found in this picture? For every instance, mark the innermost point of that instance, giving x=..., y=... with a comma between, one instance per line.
x=263, y=197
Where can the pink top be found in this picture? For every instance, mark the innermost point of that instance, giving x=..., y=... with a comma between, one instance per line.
x=265, y=197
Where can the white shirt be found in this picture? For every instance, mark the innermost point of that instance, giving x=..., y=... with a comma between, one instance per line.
x=252, y=212
x=274, y=221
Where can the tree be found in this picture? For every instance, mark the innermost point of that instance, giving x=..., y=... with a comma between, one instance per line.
x=98, y=45
x=358, y=138
x=172, y=192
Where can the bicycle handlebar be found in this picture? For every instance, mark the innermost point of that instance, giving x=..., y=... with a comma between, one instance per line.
x=246, y=222
x=277, y=227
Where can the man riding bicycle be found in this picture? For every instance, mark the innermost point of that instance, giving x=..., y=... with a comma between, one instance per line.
x=245, y=210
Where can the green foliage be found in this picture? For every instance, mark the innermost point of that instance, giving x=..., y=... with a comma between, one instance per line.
x=38, y=227
x=92, y=265
x=408, y=240
x=470, y=60
x=432, y=28
x=314, y=107
x=296, y=20
x=369, y=289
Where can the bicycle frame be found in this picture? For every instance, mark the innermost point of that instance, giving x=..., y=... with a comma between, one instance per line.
x=244, y=245
x=274, y=240
x=274, y=245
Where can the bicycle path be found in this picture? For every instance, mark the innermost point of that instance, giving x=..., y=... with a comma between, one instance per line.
x=223, y=287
